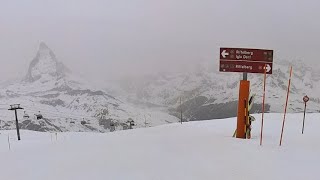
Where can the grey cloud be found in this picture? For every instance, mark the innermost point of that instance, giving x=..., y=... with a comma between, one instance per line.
x=108, y=39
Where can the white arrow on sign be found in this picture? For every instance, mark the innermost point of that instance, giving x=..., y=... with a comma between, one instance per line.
x=224, y=53
x=268, y=68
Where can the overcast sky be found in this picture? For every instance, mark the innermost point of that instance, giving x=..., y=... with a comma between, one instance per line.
x=110, y=38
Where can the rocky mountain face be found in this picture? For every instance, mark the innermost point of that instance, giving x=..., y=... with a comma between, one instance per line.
x=45, y=65
x=208, y=94
x=67, y=103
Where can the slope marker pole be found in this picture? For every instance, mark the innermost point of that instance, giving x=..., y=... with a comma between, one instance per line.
x=285, y=108
x=180, y=110
x=9, y=142
x=305, y=100
x=263, y=101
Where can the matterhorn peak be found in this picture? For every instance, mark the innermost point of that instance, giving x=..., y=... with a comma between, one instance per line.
x=45, y=66
x=43, y=45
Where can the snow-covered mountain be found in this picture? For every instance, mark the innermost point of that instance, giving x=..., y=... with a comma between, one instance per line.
x=45, y=66
x=68, y=103
x=207, y=94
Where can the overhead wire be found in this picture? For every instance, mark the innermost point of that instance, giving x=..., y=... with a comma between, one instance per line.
x=51, y=113
x=57, y=114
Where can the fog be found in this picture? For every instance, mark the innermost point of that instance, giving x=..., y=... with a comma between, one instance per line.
x=109, y=39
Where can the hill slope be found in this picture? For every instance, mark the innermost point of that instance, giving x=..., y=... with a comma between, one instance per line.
x=193, y=150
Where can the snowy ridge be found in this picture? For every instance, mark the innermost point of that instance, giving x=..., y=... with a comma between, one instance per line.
x=68, y=103
x=206, y=90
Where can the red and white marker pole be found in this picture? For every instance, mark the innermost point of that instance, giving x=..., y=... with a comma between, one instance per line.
x=285, y=108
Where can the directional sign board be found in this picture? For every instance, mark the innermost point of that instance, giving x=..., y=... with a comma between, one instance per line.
x=246, y=60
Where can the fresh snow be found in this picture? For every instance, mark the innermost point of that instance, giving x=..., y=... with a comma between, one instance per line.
x=193, y=150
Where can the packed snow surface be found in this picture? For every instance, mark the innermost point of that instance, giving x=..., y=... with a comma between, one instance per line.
x=192, y=150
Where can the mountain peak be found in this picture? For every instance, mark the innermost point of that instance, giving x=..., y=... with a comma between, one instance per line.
x=45, y=66
x=43, y=46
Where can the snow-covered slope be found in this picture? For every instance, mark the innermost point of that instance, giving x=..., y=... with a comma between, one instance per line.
x=207, y=93
x=194, y=150
x=68, y=103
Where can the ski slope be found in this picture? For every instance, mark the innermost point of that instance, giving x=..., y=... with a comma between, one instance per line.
x=194, y=150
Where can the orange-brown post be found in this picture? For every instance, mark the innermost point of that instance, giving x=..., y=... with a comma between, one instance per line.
x=242, y=105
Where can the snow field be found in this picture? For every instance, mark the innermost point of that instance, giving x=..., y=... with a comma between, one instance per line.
x=193, y=150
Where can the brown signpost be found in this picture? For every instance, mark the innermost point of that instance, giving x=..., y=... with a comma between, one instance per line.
x=245, y=61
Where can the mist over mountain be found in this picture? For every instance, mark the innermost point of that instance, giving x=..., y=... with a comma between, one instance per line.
x=68, y=103
x=45, y=64
x=209, y=94
x=132, y=89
